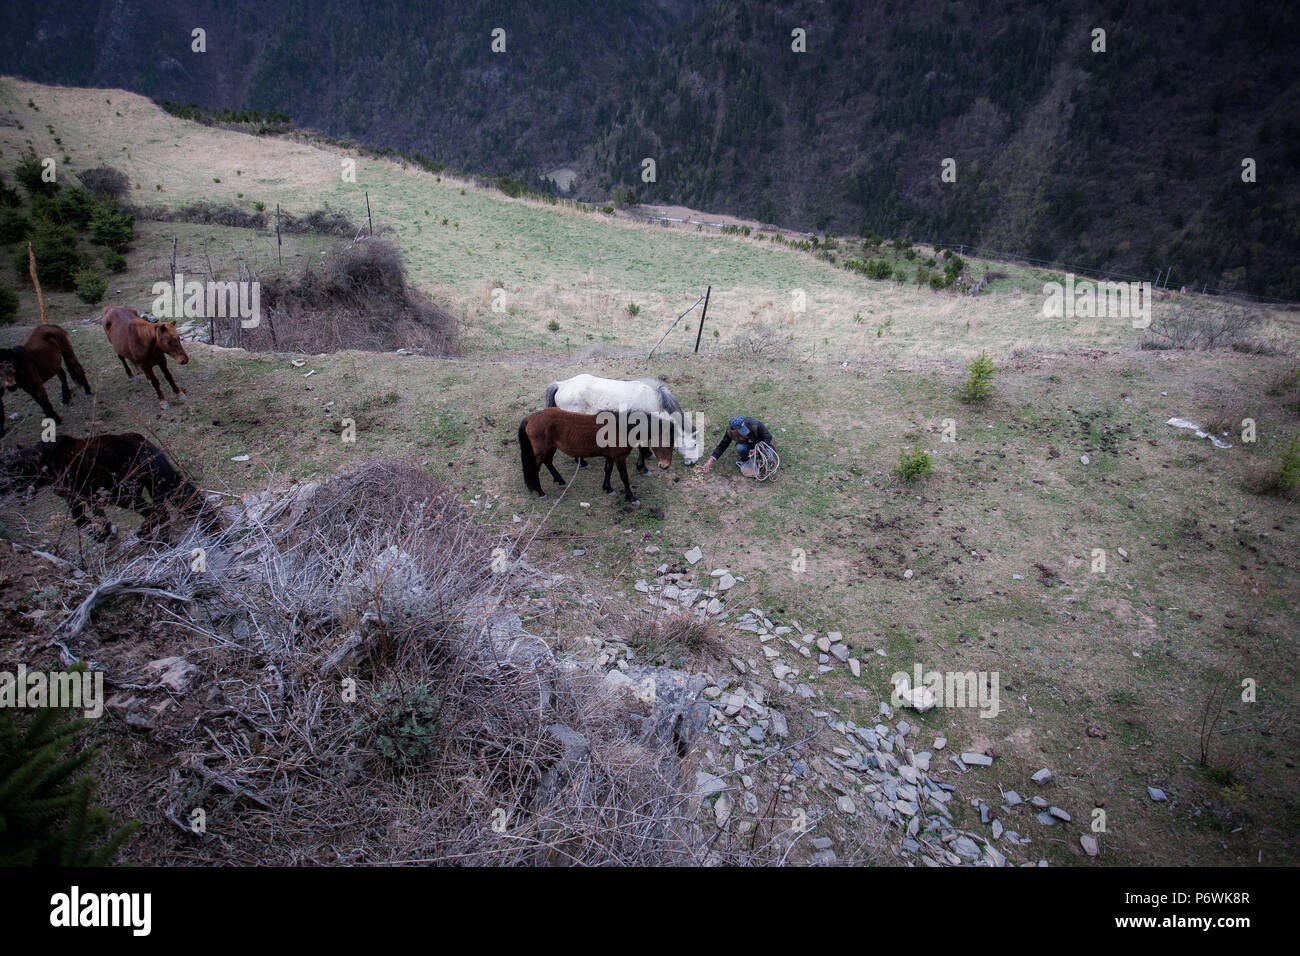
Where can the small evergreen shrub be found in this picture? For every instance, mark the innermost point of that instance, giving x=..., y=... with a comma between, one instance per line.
x=57, y=258
x=112, y=227
x=46, y=814
x=90, y=286
x=8, y=305
x=979, y=383
x=114, y=261
x=913, y=465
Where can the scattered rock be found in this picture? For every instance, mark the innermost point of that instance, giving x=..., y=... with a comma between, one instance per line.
x=722, y=809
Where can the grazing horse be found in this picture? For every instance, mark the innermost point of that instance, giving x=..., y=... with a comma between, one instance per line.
x=589, y=394
x=29, y=366
x=146, y=344
x=608, y=435
x=107, y=469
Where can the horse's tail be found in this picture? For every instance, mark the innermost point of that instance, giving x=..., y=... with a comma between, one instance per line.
x=528, y=459
x=70, y=358
x=550, y=394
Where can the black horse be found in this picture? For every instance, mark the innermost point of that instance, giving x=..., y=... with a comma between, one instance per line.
x=125, y=470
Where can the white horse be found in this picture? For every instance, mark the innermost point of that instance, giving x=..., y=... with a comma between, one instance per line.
x=590, y=394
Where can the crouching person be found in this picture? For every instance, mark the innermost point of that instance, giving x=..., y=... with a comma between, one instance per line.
x=746, y=433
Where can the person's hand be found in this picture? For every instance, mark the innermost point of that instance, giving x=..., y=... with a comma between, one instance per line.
x=707, y=465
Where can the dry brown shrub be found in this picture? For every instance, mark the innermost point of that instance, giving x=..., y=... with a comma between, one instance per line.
x=357, y=299
x=466, y=741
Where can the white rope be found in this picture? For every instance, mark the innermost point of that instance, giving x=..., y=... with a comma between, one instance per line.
x=766, y=460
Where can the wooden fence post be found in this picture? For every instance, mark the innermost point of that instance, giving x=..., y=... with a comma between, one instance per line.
x=703, y=313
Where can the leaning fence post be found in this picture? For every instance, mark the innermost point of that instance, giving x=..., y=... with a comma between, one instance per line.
x=702, y=315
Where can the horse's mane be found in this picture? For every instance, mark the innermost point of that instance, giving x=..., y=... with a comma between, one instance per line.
x=666, y=398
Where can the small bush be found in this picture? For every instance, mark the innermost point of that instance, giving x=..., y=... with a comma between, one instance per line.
x=45, y=802
x=1198, y=327
x=879, y=269
x=114, y=261
x=8, y=305
x=29, y=174
x=90, y=286
x=57, y=258
x=324, y=222
x=979, y=383
x=69, y=207
x=408, y=732
x=112, y=227
x=913, y=465
x=759, y=341
x=1288, y=477
x=105, y=183
x=13, y=226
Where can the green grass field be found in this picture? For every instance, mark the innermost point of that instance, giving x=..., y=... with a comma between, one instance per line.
x=1000, y=539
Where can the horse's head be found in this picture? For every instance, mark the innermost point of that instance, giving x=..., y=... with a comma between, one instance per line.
x=8, y=377
x=688, y=443
x=169, y=341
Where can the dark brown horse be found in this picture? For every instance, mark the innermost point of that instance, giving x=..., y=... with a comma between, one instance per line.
x=117, y=470
x=145, y=343
x=29, y=366
x=607, y=434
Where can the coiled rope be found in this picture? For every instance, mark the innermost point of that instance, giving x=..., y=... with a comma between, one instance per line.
x=766, y=460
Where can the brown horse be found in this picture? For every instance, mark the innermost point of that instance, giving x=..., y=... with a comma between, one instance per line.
x=107, y=470
x=607, y=434
x=29, y=366
x=146, y=344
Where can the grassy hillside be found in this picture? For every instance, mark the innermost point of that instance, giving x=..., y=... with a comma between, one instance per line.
x=999, y=540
